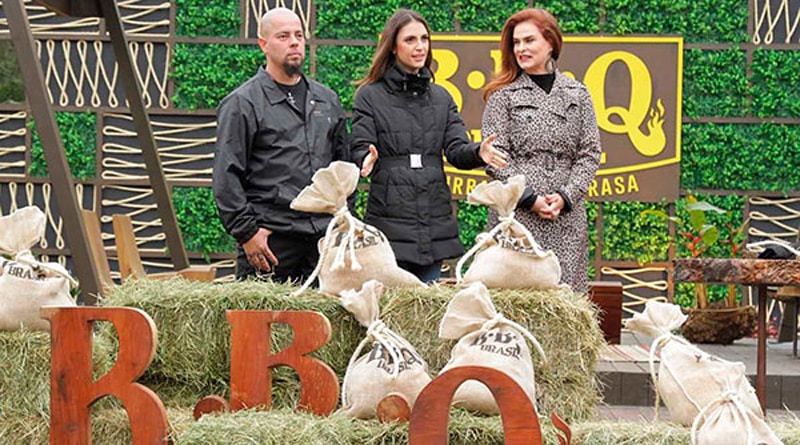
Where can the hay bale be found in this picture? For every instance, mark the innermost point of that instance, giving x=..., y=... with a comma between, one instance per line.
x=110, y=425
x=194, y=336
x=25, y=371
x=281, y=427
x=562, y=321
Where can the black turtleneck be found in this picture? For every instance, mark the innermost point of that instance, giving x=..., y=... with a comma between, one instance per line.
x=401, y=81
x=545, y=81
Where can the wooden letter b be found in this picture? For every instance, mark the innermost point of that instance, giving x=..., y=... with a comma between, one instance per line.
x=72, y=390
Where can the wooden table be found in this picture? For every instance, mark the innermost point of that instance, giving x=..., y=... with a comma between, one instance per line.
x=751, y=272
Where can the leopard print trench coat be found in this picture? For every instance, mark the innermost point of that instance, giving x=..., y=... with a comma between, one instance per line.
x=553, y=140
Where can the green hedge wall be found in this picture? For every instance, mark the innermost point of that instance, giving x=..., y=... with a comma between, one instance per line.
x=11, y=88
x=485, y=15
x=196, y=18
x=331, y=71
x=775, y=83
x=714, y=83
x=79, y=135
x=199, y=221
x=199, y=81
x=736, y=156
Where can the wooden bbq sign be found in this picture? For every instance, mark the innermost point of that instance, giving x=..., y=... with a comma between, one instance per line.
x=73, y=389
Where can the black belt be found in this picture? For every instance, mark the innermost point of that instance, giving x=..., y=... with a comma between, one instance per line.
x=410, y=161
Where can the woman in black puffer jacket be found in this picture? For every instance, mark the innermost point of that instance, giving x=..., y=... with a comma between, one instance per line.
x=402, y=123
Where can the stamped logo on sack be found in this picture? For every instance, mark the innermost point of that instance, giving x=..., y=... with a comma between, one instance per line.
x=498, y=342
x=21, y=271
x=369, y=237
x=515, y=244
x=384, y=360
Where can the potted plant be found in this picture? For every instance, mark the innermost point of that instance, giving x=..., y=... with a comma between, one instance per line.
x=722, y=321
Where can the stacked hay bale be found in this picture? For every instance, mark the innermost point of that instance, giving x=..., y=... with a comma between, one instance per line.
x=192, y=361
x=194, y=335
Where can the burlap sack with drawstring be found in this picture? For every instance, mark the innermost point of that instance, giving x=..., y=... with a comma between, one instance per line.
x=508, y=256
x=27, y=284
x=351, y=252
x=728, y=421
x=688, y=378
x=392, y=366
x=486, y=338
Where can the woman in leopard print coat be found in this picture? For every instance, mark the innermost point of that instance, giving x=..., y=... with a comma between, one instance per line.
x=545, y=121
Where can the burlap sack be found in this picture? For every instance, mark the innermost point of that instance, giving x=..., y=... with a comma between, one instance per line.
x=486, y=338
x=393, y=365
x=728, y=421
x=688, y=378
x=351, y=252
x=27, y=284
x=508, y=257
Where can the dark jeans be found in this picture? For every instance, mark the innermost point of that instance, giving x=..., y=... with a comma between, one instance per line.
x=297, y=257
x=427, y=273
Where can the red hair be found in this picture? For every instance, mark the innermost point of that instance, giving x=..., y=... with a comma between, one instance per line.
x=509, y=70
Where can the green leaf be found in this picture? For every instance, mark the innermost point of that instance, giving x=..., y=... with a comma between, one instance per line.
x=697, y=219
x=704, y=206
x=710, y=235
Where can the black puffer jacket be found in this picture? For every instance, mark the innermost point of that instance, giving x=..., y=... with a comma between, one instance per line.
x=412, y=121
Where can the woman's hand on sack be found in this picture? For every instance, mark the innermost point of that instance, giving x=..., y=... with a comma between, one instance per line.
x=492, y=156
x=369, y=161
x=258, y=252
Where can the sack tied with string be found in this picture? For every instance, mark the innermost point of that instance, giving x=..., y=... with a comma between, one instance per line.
x=351, y=252
x=392, y=366
x=508, y=256
x=688, y=378
x=486, y=338
x=728, y=421
x=26, y=284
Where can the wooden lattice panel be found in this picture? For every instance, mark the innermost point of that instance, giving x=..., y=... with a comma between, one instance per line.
x=145, y=17
x=139, y=203
x=638, y=286
x=15, y=195
x=185, y=144
x=43, y=21
x=84, y=73
x=12, y=144
x=256, y=8
x=774, y=219
x=140, y=17
x=775, y=21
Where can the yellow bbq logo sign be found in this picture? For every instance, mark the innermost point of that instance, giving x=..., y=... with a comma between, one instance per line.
x=635, y=84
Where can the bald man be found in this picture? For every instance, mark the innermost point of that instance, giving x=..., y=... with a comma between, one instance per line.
x=273, y=132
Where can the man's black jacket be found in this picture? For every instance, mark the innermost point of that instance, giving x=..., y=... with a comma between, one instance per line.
x=267, y=153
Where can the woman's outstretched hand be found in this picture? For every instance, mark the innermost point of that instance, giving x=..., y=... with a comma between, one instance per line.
x=369, y=161
x=492, y=156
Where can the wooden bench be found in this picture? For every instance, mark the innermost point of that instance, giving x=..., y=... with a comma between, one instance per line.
x=130, y=262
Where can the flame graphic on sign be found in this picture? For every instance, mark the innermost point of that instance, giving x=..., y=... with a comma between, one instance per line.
x=654, y=142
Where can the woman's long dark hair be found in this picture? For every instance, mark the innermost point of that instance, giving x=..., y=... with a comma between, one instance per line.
x=548, y=26
x=384, y=54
